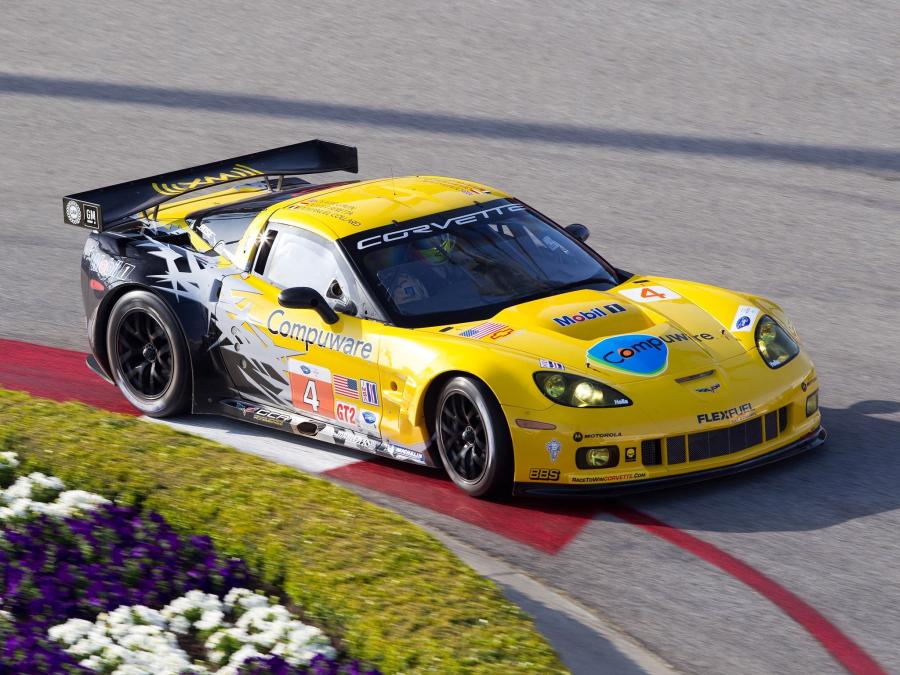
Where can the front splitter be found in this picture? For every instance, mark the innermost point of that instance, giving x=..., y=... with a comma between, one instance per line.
x=808, y=442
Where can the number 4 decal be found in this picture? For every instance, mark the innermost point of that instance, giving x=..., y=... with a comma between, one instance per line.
x=311, y=388
x=310, y=396
x=650, y=294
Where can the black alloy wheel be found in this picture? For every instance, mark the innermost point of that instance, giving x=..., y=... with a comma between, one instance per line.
x=148, y=355
x=464, y=437
x=145, y=354
x=473, y=438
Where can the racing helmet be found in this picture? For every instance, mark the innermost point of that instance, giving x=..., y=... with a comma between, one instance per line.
x=435, y=250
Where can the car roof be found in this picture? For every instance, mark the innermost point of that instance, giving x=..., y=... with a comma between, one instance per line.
x=342, y=210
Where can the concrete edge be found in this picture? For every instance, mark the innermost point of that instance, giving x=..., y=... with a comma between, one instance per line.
x=583, y=640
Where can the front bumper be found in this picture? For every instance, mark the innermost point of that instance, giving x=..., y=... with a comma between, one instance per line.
x=807, y=442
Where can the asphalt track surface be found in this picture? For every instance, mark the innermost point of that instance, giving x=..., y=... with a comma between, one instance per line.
x=750, y=145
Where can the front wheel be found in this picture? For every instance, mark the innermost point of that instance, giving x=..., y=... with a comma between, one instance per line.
x=473, y=439
x=148, y=355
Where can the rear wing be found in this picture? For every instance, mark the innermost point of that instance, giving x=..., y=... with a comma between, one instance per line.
x=99, y=209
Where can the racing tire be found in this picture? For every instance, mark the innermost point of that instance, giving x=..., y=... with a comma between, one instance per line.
x=148, y=355
x=473, y=439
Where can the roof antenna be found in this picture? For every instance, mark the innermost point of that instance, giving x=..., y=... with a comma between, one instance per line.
x=393, y=190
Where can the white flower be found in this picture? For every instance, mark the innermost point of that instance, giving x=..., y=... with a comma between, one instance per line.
x=210, y=620
x=242, y=654
x=9, y=458
x=71, y=631
x=137, y=640
x=244, y=598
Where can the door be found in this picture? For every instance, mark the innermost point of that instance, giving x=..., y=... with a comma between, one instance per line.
x=328, y=372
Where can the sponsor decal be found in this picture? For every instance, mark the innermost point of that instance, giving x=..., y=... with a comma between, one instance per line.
x=368, y=420
x=346, y=386
x=669, y=338
x=578, y=436
x=312, y=336
x=588, y=314
x=506, y=331
x=544, y=474
x=484, y=329
x=552, y=365
x=634, y=353
x=235, y=173
x=553, y=447
x=81, y=213
x=630, y=454
x=399, y=452
x=744, y=318
x=369, y=392
x=711, y=389
x=105, y=266
x=274, y=418
x=433, y=227
x=311, y=388
x=738, y=412
x=634, y=475
x=345, y=412
x=650, y=294
x=361, y=441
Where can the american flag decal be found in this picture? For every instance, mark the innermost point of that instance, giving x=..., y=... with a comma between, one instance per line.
x=346, y=386
x=369, y=392
x=483, y=329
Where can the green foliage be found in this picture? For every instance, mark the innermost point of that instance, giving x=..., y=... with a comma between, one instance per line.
x=392, y=593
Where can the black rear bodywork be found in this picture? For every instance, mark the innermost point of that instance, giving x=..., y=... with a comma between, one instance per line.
x=128, y=250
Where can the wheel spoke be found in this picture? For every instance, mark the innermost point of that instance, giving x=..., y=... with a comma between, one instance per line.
x=144, y=354
x=463, y=436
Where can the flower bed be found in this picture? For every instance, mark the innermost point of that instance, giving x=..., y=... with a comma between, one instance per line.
x=390, y=592
x=92, y=586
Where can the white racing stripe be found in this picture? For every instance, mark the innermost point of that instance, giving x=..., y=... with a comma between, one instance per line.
x=278, y=446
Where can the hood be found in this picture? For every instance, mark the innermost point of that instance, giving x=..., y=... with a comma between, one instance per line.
x=626, y=334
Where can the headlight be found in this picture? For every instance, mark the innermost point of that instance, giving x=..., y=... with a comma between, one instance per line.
x=775, y=345
x=579, y=392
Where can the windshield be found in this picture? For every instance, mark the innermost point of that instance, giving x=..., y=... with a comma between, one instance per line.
x=468, y=264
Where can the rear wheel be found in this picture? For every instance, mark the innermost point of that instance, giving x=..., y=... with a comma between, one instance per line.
x=148, y=355
x=473, y=439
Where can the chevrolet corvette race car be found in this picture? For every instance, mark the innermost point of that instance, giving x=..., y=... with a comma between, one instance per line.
x=430, y=320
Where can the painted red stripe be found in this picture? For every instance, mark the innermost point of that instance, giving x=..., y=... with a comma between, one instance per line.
x=62, y=375
x=543, y=524
x=849, y=654
x=58, y=374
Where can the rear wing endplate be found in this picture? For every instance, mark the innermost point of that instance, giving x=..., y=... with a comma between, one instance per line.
x=99, y=209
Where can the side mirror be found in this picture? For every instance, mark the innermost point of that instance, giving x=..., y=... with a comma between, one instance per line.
x=579, y=231
x=303, y=297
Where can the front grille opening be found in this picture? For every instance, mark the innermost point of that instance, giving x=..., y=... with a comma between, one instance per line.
x=718, y=442
x=675, y=450
x=771, y=422
x=651, y=452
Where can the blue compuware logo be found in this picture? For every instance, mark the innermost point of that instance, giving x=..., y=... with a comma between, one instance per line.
x=368, y=417
x=306, y=370
x=637, y=354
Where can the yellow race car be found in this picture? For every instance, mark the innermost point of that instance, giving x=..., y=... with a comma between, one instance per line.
x=431, y=320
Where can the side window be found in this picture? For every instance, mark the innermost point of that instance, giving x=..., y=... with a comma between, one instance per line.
x=302, y=259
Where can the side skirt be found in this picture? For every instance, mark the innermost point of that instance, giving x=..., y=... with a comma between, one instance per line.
x=321, y=430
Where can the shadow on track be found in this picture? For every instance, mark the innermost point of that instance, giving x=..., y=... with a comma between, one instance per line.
x=623, y=139
x=855, y=474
